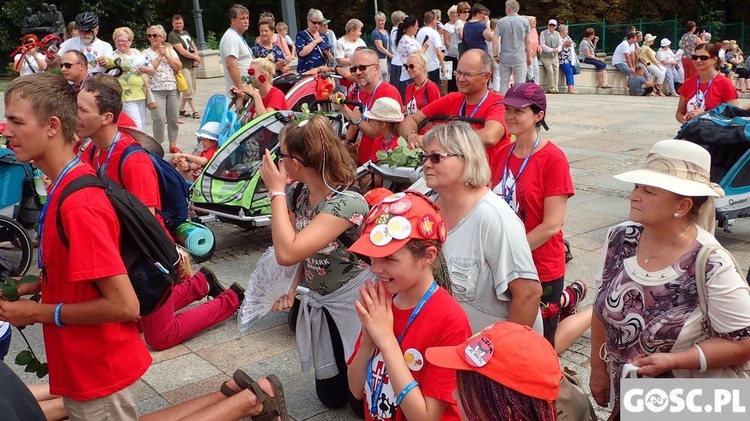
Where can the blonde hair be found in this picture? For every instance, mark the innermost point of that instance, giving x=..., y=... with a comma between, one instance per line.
x=420, y=57
x=460, y=138
x=265, y=65
x=123, y=30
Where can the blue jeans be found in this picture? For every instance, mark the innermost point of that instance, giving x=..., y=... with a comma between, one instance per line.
x=600, y=65
x=567, y=69
x=623, y=67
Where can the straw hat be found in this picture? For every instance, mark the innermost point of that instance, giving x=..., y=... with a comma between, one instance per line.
x=385, y=109
x=649, y=38
x=679, y=166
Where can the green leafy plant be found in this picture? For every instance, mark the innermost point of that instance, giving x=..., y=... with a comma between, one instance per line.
x=211, y=42
x=27, y=357
x=401, y=156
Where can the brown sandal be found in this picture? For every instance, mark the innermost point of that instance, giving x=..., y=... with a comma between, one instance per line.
x=273, y=406
x=243, y=381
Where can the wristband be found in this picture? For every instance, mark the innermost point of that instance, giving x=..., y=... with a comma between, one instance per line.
x=58, y=323
x=702, y=363
x=406, y=390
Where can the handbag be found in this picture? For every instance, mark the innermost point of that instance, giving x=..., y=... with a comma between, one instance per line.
x=701, y=261
x=182, y=84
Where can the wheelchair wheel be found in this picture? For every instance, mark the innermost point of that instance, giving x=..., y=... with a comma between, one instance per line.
x=15, y=246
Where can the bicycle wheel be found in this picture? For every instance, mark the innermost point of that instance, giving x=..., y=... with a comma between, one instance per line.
x=15, y=246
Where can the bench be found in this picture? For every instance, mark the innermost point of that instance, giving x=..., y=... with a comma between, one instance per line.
x=586, y=81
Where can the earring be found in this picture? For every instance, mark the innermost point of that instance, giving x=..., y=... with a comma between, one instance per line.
x=675, y=215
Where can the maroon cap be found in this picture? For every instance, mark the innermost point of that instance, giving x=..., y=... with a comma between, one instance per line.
x=522, y=95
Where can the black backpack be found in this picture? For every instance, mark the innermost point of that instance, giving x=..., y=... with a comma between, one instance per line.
x=149, y=255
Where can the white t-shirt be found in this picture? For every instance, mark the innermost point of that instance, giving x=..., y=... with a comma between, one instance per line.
x=623, y=49
x=96, y=49
x=29, y=65
x=452, y=28
x=667, y=54
x=485, y=252
x=396, y=60
x=346, y=49
x=428, y=34
x=232, y=44
x=406, y=47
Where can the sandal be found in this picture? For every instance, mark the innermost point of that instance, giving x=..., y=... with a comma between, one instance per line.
x=195, y=115
x=605, y=86
x=273, y=406
x=243, y=381
x=184, y=113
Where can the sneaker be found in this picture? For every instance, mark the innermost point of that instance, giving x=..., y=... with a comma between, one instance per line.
x=214, y=286
x=572, y=295
x=239, y=291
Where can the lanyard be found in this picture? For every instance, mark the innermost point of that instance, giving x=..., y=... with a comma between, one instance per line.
x=462, y=110
x=372, y=99
x=43, y=214
x=508, y=192
x=370, y=379
x=700, y=96
x=109, y=154
x=384, y=145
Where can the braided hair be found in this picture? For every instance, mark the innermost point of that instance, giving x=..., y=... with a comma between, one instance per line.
x=483, y=399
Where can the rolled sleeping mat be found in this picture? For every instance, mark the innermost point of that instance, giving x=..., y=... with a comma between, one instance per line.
x=196, y=238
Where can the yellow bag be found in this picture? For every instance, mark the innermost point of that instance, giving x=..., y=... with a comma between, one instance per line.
x=182, y=84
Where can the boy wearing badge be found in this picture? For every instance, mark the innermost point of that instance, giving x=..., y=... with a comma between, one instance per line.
x=403, y=313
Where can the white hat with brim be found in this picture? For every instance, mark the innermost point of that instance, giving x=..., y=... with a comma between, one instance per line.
x=679, y=166
x=385, y=109
x=210, y=130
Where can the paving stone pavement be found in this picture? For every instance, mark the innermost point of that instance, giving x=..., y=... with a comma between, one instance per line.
x=601, y=135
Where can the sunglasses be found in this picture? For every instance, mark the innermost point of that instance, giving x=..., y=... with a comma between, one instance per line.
x=152, y=35
x=552, y=25
x=409, y=66
x=316, y=22
x=436, y=157
x=281, y=155
x=361, y=67
x=701, y=57
x=69, y=65
x=464, y=11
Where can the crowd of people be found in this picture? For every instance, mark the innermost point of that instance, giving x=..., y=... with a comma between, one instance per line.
x=383, y=327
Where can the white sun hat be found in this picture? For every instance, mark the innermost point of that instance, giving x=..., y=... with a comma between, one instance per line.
x=210, y=130
x=385, y=109
x=679, y=166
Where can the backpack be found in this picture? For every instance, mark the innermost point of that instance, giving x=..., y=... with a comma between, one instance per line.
x=149, y=255
x=173, y=190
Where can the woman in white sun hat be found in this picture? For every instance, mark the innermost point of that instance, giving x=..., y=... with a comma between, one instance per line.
x=648, y=309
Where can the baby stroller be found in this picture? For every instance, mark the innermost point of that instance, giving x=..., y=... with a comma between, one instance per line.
x=725, y=133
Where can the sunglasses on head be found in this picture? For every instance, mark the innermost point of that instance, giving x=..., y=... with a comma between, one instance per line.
x=69, y=65
x=152, y=35
x=702, y=57
x=361, y=67
x=436, y=157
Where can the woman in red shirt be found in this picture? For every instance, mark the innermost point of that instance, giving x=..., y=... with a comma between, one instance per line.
x=708, y=89
x=422, y=91
x=266, y=97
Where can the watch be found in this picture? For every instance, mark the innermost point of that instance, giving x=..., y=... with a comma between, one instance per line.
x=357, y=121
x=272, y=194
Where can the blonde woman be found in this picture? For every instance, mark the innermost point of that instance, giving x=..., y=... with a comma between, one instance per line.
x=135, y=69
x=422, y=91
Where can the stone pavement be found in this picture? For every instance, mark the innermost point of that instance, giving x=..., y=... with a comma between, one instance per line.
x=601, y=135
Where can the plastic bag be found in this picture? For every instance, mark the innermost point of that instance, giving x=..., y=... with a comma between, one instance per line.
x=267, y=283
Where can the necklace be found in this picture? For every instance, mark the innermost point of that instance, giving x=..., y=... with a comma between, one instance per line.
x=649, y=257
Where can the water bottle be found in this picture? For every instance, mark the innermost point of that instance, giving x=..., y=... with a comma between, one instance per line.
x=41, y=190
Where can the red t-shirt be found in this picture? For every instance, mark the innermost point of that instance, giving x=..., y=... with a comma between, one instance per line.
x=86, y=362
x=547, y=174
x=425, y=332
x=124, y=120
x=491, y=109
x=416, y=99
x=208, y=154
x=367, y=99
x=274, y=99
x=722, y=90
x=380, y=144
x=138, y=174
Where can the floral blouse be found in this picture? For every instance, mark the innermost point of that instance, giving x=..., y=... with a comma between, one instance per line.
x=333, y=266
x=163, y=79
x=261, y=51
x=566, y=53
x=688, y=42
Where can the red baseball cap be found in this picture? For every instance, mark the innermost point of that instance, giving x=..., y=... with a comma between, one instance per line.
x=397, y=218
x=522, y=95
x=511, y=354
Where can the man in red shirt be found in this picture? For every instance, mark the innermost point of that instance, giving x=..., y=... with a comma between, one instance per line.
x=365, y=68
x=473, y=99
x=99, y=106
x=88, y=307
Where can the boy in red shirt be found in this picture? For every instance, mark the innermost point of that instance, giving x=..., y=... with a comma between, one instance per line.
x=189, y=165
x=99, y=105
x=88, y=306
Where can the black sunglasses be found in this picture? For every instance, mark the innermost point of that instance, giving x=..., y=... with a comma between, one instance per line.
x=361, y=67
x=701, y=57
x=69, y=65
x=316, y=22
x=436, y=157
x=409, y=66
x=281, y=155
x=152, y=35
